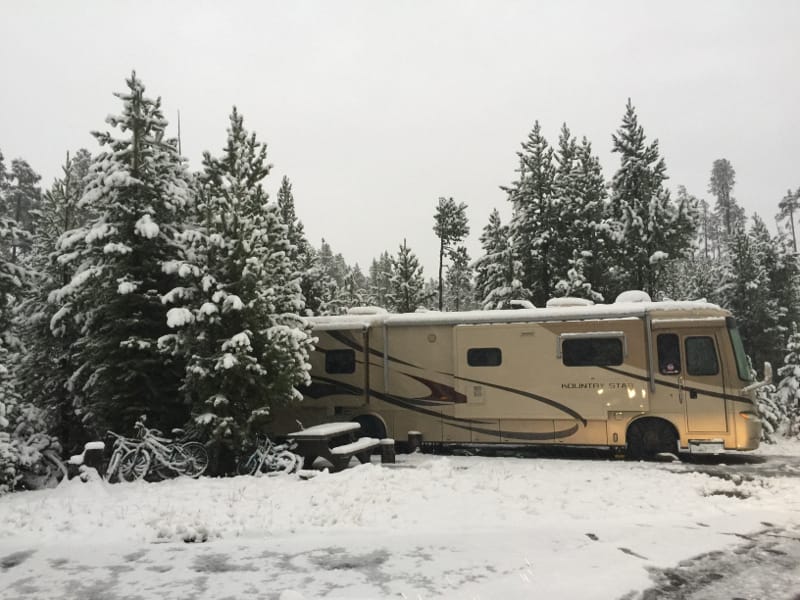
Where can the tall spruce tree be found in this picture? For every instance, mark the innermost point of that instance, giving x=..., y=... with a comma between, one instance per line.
x=721, y=182
x=459, y=280
x=788, y=394
x=236, y=311
x=302, y=255
x=379, y=280
x=407, y=287
x=652, y=227
x=748, y=294
x=450, y=226
x=787, y=207
x=498, y=272
x=47, y=362
x=534, y=215
x=139, y=189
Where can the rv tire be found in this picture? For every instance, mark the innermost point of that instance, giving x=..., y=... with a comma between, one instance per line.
x=647, y=438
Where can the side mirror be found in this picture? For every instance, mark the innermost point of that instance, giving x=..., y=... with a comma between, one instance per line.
x=759, y=384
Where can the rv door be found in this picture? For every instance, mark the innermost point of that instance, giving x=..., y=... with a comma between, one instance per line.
x=689, y=362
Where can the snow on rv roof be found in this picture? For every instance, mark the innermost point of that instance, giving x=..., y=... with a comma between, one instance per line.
x=558, y=313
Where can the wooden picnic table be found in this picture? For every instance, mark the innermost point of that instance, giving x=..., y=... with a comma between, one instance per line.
x=335, y=442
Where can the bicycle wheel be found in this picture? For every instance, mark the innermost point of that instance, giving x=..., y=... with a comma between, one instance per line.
x=134, y=465
x=196, y=457
x=249, y=466
x=113, y=466
x=283, y=462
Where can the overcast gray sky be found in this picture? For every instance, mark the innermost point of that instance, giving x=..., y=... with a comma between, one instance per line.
x=374, y=109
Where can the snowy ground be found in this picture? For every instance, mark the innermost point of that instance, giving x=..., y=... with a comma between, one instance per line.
x=427, y=527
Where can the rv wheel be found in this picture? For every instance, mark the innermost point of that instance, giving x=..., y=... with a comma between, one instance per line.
x=650, y=437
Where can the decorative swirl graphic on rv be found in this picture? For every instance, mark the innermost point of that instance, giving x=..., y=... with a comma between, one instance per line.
x=324, y=387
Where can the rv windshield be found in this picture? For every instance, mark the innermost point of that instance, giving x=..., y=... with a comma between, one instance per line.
x=742, y=366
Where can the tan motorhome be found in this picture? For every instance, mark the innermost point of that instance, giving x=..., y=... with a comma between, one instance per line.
x=645, y=376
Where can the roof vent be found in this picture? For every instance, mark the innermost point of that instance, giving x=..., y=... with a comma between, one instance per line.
x=568, y=301
x=633, y=296
x=366, y=310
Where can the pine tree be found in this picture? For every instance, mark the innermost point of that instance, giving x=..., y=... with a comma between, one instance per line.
x=379, y=280
x=498, y=272
x=139, y=189
x=652, y=228
x=534, y=215
x=303, y=256
x=578, y=234
x=459, y=280
x=21, y=202
x=789, y=386
x=723, y=178
x=450, y=227
x=236, y=314
x=46, y=364
x=748, y=294
x=787, y=207
x=407, y=283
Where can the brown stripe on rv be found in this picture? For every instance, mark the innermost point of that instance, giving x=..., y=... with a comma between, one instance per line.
x=675, y=386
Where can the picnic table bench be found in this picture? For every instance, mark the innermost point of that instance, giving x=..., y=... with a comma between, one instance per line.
x=335, y=442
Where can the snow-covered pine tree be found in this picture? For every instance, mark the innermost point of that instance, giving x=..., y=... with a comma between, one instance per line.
x=460, y=292
x=354, y=291
x=236, y=313
x=329, y=280
x=302, y=255
x=534, y=215
x=498, y=273
x=22, y=429
x=46, y=363
x=407, y=283
x=652, y=227
x=593, y=226
x=748, y=296
x=138, y=187
x=578, y=193
x=379, y=280
x=788, y=394
x=721, y=182
x=575, y=283
x=450, y=226
x=21, y=202
x=787, y=207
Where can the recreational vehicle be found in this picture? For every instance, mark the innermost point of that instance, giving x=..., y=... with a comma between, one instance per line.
x=640, y=376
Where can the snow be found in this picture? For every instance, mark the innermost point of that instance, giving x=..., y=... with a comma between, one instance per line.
x=126, y=287
x=427, y=527
x=359, y=445
x=327, y=429
x=146, y=228
x=178, y=317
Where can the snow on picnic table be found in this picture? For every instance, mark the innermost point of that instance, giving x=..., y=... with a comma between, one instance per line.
x=427, y=527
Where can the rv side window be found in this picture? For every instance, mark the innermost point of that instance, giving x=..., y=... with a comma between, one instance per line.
x=484, y=357
x=669, y=354
x=701, y=357
x=592, y=351
x=340, y=361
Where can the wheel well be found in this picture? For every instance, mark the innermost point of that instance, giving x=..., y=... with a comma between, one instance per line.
x=645, y=421
x=371, y=426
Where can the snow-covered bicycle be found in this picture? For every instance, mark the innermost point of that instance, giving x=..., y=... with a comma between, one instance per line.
x=269, y=457
x=122, y=445
x=161, y=456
